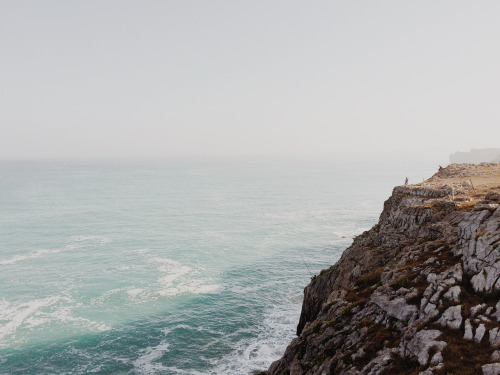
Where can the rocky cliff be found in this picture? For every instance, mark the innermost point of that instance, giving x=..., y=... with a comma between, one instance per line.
x=419, y=293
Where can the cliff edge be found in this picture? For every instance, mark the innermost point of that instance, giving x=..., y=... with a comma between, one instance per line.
x=419, y=293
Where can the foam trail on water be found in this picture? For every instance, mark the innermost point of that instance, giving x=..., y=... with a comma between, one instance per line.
x=181, y=279
x=147, y=362
x=81, y=240
x=36, y=313
x=36, y=254
x=14, y=316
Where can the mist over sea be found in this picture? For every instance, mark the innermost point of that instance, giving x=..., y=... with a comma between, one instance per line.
x=172, y=267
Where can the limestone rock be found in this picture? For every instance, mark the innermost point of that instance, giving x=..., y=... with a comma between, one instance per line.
x=491, y=369
x=469, y=335
x=494, y=336
x=453, y=294
x=397, y=308
x=452, y=317
x=422, y=342
x=480, y=331
x=476, y=309
x=436, y=359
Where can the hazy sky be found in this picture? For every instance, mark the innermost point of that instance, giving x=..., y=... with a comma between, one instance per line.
x=162, y=78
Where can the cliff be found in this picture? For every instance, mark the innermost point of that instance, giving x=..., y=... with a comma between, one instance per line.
x=476, y=156
x=416, y=294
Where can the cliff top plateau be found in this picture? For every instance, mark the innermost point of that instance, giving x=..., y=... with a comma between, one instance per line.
x=419, y=293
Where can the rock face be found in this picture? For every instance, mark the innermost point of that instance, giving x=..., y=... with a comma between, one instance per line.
x=419, y=293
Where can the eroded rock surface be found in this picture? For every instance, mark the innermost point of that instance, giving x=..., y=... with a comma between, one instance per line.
x=418, y=293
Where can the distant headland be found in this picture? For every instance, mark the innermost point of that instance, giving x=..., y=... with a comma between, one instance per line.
x=474, y=156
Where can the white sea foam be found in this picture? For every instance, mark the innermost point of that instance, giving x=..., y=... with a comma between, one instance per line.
x=96, y=301
x=81, y=241
x=257, y=353
x=36, y=254
x=169, y=330
x=140, y=295
x=40, y=312
x=147, y=362
x=13, y=315
x=181, y=279
x=173, y=279
x=135, y=292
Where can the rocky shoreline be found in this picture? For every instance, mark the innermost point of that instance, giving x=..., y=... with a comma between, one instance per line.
x=419, y=293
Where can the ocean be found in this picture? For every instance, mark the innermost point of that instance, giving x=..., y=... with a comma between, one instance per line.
x=172, y=267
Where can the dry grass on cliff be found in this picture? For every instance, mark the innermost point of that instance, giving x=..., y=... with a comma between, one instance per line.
x=483, y=179
x=462, y=357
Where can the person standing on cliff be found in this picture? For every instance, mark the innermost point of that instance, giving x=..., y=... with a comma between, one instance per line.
x=406, y=181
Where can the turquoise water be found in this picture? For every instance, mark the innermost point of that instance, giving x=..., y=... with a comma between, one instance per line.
x=173, y=267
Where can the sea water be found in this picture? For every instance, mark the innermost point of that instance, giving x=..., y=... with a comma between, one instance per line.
x=171, y=267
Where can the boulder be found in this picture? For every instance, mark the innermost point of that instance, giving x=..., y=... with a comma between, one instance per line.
x=452, y=317
x=422, y=342
x=491, y=369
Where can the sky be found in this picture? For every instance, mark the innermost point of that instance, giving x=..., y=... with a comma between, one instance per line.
x=154, y=79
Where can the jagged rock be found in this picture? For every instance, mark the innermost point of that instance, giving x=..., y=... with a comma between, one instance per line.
x=377, y=365
x=436, y=359
x=422, y=342
x=476, y=309
x=432, y=370
x=358, y=355
x=483, y=318
x=430, y=311
x=485, y=280
x=453, y=294
x=412, y=293
x=431, y=260
x=480, y=331
x=486, y=206
x=296, y=369
x=452, y=317
x=491, y=369
x=435, y=297
x=496, y=314
x=495, y=356
x=494, y=336
x=492, y=196
x=469, y=335
x=397, y=308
